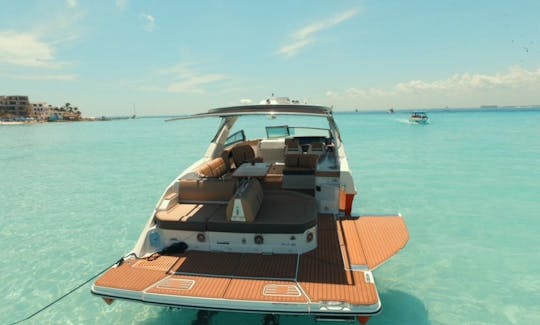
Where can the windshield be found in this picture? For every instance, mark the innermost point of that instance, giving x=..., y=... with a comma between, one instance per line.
x=281, y=126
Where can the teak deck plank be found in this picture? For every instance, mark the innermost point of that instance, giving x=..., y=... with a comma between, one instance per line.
x=359, y=292
x=267, y=266
x=380, y=237
x=163, y=263
x=127, y=277
x=264, y=290
x=208, y=287
x=351, y=245
x=209, y=263
x=317, y=276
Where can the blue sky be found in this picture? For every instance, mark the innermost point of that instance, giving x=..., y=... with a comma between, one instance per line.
x=175, y=57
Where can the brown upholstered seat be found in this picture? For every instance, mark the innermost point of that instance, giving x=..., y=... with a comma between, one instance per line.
x=316, y=148
x=292, y=147
x=207, y=189
x=185, y=216
x=300, y=164
x=244, y=153
x=216, y=167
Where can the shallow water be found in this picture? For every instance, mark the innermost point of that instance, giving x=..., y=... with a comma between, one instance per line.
x=74, y=197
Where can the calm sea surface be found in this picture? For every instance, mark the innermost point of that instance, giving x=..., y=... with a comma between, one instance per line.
x=74, y=197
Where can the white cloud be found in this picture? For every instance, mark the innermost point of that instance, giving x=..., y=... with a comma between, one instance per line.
x=306, y=35
x=188, y=80
x=24, y=49
x=464, y=89
x=293, y=48
x=71, y=3
x=245, y=101
x=37, y=47
x=150, y=22
x=516, y=77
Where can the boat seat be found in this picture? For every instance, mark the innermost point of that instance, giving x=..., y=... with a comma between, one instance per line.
x=299, y=171
x=244, y=153
x=316, y=148
x=281, y=211
x=292, y=147
x=206, y=189
x=186, y=216
x=300, y=164
x=216, y=167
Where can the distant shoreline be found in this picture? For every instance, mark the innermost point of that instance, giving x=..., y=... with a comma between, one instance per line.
x=350, y=111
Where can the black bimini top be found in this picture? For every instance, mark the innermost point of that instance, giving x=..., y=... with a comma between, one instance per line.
x=264, y=109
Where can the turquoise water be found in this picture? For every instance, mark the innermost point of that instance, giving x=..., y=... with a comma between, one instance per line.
x=74, y=197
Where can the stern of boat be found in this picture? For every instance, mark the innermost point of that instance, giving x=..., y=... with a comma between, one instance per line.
x=319, y=283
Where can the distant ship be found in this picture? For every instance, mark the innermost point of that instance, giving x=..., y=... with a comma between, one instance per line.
x=419, y=117
x=391, y=111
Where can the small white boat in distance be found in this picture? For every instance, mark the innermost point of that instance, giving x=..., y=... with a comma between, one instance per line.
x=419, y=117
x=262, y=225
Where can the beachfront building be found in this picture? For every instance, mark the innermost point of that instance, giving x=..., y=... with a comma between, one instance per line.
x=66, y=112
x=41, y=111
x=15, y=106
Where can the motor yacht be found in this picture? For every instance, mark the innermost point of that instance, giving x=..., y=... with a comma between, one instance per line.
x=262, y=224
x=419, y=117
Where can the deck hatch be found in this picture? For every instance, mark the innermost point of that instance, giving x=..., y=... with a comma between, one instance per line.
x=281, y=290
x=176, y=284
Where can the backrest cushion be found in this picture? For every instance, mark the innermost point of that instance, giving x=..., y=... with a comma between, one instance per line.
x=246, y=202
x=214, y=168
x=242, y=153
x=209, y=189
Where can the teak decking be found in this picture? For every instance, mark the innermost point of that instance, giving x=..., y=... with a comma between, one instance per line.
x=337, y=271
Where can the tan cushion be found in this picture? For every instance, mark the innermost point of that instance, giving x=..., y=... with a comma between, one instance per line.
x=184, y=216
x=210, y=189
x=205, y=170
x=246, y=202
x=214, y=168
x=218, y=167
x=302, y=161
